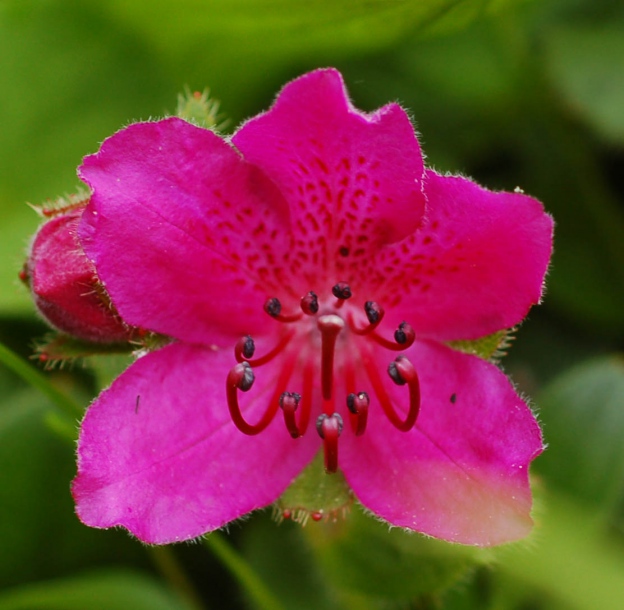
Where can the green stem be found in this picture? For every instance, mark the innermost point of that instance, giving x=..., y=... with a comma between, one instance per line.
x=168, y=566
x=36, y=379
x=243, y=572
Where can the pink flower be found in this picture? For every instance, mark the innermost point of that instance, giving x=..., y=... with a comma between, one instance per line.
x=282, y=261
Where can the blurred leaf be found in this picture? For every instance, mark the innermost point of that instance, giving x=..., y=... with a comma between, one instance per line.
x=300, y=26
x=62, y=401
x=70, y=76
x=282, y=558
x=116, y=590
x=588, y=261
x=41, y=536
x=364, y=556
x=108, y=367
x=583, y=416
x=567, y=560
x=586, y=62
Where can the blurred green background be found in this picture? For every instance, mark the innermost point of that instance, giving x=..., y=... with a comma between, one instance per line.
x=511, y=92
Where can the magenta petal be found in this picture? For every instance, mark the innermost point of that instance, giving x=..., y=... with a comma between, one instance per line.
x=476, y=266
x=186, y=236
x=353, y=180
x=462, y=473
x=159, y=455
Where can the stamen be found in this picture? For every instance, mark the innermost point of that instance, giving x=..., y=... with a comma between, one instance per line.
x=402, y=372
x=329, y=428
x=374, y=313
x=273, y=307
x=309, y=304
x=246, y=345
x=289, y=402
x=329, y=325
x=358, y=405
x=404, y=337
x=342, y=292
x=244, y=348
x=242, y=377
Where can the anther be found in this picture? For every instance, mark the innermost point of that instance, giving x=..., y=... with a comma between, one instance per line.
x=273, y=307
x=395, y=374
x=329, y=428
x=309, y=304
x=289, y=402
x=341, y=291
x=242, y=377
x=358, y=405
x=404, y=335
x=374, y=312
x=330, y=326
x=244, y=349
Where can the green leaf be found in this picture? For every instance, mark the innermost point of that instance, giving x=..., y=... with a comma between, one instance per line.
x=315, y=493
x=583, y=418
x=300, y=26
x=40, y=533
x=586, y=64
x=255, y=588
x=567, y=560
x=492, y=347
x=363, y=556
x=64, y=403
x=281, y=557
x=114, y=590
x=68, y=80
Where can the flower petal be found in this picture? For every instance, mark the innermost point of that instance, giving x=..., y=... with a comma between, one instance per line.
x=476, y=266
x=186, y=236
x=462, y=473
x=353, y=180
x=159, y=455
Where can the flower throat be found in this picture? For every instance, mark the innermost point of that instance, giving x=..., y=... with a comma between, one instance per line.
x=297, y=407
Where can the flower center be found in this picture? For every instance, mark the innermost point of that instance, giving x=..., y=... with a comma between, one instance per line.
x=329, y=329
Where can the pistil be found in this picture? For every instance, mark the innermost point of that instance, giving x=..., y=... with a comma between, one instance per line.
x=330, y=326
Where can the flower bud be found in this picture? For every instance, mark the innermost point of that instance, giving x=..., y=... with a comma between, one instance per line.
x=64, y=283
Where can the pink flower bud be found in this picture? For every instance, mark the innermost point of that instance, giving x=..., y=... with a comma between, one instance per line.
x=64, y=283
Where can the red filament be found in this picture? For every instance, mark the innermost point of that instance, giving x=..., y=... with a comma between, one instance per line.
x=408, y=372
x=242, y=347
x=239, y=379
x=404, y=337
